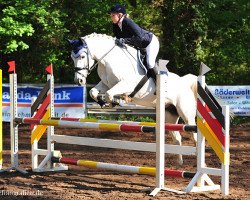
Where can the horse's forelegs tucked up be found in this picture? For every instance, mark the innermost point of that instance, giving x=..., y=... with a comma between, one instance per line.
x=94, y=92
x=119, y=89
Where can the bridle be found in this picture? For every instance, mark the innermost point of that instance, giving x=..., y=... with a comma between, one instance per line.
x=86, y=67
x=88, y=53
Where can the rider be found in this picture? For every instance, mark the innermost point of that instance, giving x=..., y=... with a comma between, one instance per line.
x=127, y=31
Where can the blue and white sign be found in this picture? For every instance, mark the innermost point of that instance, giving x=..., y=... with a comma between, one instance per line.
x=237, y=97
x=69, y=101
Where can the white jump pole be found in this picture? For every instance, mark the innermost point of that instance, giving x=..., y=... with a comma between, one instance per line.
x=225, y=167
x=160, y=134
x=50, y=129
x=13, y=125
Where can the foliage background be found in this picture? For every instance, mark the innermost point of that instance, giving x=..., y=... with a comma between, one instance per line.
x=215, y=32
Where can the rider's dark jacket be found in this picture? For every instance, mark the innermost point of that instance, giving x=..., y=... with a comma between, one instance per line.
x=132, y=33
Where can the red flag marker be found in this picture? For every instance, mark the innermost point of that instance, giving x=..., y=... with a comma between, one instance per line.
x=49, y=69
x=12, y=67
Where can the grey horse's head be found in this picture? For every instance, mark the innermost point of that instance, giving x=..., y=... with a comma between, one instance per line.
x=82, y=60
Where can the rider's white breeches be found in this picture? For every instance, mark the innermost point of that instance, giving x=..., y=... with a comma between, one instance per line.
x=152, y=51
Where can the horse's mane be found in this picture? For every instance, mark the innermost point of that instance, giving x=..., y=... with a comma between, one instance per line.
x=94, y=35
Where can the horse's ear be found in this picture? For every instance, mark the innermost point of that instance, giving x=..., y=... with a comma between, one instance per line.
x=82, y=42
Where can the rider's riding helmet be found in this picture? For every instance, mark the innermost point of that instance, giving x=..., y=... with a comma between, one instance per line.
x=118, y=8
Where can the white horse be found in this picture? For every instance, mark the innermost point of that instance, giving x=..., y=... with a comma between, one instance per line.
x=120, y=73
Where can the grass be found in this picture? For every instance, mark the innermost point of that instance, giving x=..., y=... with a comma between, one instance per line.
x=122, y=117
x=239, y=120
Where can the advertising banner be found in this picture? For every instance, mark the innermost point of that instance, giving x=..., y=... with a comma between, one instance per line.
x=69, y=101
x=237, y=97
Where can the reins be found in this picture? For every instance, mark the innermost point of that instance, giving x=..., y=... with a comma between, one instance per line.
x=98, y=61
x=94, y=66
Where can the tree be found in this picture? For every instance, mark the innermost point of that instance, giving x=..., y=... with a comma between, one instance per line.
x=216, y=33
x=182, y=29
x=225, y=46
x=30, y=33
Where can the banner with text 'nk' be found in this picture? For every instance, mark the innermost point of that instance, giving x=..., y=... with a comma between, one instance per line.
x=69, y=101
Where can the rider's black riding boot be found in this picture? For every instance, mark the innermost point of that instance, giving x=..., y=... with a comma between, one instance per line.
x=152, y=73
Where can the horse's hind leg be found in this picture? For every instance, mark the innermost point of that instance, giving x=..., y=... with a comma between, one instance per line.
x=186, y=108
x=176, y=136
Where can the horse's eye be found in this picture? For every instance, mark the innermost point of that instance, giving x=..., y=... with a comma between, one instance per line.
x=82, y=56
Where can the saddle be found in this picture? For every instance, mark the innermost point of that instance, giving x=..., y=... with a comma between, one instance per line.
x=141, y=55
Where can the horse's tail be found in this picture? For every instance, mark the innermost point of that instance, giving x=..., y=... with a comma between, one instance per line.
x=191, y=81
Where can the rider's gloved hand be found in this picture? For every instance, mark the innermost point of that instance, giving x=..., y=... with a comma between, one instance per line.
x=120, y=42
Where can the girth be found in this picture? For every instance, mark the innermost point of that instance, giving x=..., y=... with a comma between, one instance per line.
x=140, y=84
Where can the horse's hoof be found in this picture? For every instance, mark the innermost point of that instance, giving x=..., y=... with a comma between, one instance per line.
x=179, y=160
